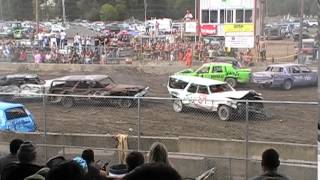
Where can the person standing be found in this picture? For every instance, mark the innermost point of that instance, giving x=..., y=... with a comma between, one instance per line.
x=188, y=57
x=270, y=163
x=63, y=36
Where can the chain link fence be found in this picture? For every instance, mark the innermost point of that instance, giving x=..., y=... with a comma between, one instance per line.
x=233, y=145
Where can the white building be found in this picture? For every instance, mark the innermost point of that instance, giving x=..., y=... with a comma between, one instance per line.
x=233, y=19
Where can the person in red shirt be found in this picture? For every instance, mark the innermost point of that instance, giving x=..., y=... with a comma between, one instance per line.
x=188, y=57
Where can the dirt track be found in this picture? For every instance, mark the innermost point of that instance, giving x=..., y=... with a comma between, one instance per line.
x=289, y=123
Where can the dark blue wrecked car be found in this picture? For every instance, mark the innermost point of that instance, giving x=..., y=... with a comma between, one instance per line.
x=16, y=118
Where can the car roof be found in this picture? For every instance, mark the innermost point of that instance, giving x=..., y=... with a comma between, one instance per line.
x=217, y=63
x=83, y=78
x=4, y=105
x=198, y=80
x=285, y=65
x=21, y=76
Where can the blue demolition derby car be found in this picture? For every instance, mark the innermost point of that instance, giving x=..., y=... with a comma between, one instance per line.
x=285, y=76
x=16, y=118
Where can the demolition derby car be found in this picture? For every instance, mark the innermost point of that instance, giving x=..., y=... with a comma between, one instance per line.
x=16, y=118
x=70, y=89
x=286, y=76
x=20, y=85
x=211, y=95
x=222, y=72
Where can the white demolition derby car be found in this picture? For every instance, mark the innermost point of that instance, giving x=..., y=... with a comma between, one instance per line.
x=213, y=96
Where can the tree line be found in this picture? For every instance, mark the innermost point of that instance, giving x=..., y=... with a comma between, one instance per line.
x=122, y=9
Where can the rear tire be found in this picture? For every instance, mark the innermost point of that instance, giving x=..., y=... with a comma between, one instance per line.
x=125, y=103
x=225, y=113
x=67, y=102
x=232, y=82
x=287, y=84
x=177, y=106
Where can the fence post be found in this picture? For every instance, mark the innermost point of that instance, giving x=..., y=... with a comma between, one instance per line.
x=247, y=137
x=139, y=125
x=45, y=125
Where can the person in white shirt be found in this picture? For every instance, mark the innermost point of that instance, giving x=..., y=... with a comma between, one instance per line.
x=63, y=36
x=188, y=16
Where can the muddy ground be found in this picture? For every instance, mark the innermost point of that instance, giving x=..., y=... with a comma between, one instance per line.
x=288, y=123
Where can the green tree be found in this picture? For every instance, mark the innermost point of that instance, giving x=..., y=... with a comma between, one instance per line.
x=122, y=10
x=108, y=13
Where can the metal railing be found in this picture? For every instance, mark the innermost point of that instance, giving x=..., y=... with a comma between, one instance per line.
x=282, y=123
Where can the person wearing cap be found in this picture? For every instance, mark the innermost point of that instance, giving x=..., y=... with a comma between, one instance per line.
x=26, y=164
x=117, y=171
x=12, y=157
x=270, y=163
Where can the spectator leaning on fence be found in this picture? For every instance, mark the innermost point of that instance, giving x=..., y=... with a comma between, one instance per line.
x=270, y=163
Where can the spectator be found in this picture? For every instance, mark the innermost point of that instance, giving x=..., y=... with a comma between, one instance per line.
x=69, y=170
x=25, y=166
x=63, y=36
x=93, y=172
x=188, y=16
x=270, y=163
x=117, y=171
x=155, y=171
x=133, y=160
x=158, y=154
x=12, y=157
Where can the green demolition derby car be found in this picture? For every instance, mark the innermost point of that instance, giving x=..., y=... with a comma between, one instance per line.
x=222, y=72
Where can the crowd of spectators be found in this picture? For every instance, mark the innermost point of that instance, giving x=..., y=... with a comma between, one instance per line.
x=21, y=164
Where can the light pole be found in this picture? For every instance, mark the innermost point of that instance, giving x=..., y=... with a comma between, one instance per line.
x=301, y=24
x=1, y=9
x=145, y=10
x=63, y=12
x=37, y=15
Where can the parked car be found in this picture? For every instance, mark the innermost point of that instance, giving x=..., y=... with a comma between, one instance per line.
x=221, y=71
x=16, y=118
x=213, y=96
x=93, y=85
x=286, y=76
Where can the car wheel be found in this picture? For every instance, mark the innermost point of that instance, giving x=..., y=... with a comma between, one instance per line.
x=232, y=82
x=225, y=113
x=125, y=103
x=177, y=106
x=67, y=102
x=287, y=85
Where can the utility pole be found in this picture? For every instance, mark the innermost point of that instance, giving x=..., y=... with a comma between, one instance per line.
x=63, y=13
x=301, y=24
x=145, y=10
x=1, y=9
x=37, y=15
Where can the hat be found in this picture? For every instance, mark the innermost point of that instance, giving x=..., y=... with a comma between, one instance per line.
x=27, y=152
x=117, y=171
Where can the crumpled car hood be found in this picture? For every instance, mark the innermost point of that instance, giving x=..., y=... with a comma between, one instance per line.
x=237, y=94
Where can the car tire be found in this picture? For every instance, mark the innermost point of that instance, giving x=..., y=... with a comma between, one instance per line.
x=67, y=102
x=125, y=103
x=225, y=113
x=177, y=106
x=232, y=82
x=287, y=85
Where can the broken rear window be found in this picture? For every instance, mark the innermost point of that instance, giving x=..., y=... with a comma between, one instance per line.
x=177, y=84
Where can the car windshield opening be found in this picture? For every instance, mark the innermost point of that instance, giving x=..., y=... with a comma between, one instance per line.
x=220, y=88
x=106, y=82
x=15, y=113
x=177, y=84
